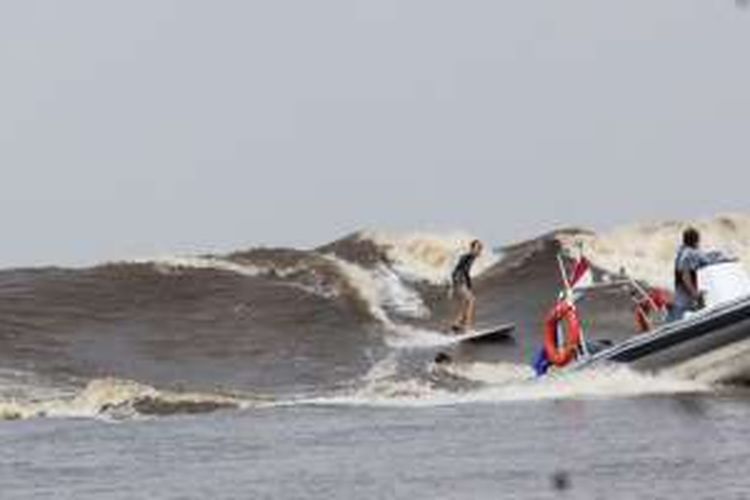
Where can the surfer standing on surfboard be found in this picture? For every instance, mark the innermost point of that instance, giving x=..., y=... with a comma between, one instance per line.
x=462, y=289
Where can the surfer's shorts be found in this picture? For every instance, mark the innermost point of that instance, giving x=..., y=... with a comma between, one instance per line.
x=462, y=292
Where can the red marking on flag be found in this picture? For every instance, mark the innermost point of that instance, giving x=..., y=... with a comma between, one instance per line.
x=581, y=273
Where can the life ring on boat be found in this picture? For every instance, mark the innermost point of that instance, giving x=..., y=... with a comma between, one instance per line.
x=563, y=311
x=657, y=301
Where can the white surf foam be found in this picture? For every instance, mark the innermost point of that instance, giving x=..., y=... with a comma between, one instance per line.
x=24, y=385
x=396, y=296
x=110, y=398
x=647, y=251
x=382, y=291
x=169, y=264
x=172, y=264
x=601, y=382
x=365, y=284
x=488, y=373
x=428, y=257
x=509, y=383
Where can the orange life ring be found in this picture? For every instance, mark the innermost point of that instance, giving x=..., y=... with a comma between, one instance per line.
x=657, y=300
x=561, y=356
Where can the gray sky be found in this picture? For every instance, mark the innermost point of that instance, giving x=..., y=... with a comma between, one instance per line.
x=145, y=127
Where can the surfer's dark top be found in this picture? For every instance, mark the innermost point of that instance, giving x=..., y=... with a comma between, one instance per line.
x=462, y=272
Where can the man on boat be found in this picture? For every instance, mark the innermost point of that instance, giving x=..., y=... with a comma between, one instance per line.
x=690, y=258
x=462, y=288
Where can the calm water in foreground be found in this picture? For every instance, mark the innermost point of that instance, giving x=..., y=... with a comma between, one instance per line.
x=648, y=447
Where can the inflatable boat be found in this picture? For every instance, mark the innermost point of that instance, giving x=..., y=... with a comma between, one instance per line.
x=712, y=344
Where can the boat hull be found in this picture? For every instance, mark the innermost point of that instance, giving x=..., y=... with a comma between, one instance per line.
x=712, y=345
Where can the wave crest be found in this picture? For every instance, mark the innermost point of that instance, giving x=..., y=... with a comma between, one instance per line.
x=112, y=398
x=647, y=251
x=428, y=257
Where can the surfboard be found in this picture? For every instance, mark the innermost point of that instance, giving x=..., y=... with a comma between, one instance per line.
x=497, y=333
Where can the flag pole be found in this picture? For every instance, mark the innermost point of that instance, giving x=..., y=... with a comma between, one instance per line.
x=569, y=298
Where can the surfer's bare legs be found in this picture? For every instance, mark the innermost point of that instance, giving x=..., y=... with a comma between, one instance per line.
x=458, y=323
x=466, y=308
x=471, y=311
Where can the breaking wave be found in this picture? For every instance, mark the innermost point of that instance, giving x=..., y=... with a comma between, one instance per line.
x=357, y=320
x=504, y=383
x=647, y=251
x=427, y=257
x=115, y=399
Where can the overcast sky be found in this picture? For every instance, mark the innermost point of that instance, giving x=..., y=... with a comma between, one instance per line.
x=149, y=127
